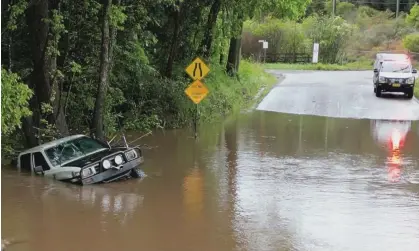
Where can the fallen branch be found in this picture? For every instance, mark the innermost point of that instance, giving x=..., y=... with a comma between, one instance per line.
x=149, y=132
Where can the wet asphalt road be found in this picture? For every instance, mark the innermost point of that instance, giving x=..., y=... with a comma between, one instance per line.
x=340, y=94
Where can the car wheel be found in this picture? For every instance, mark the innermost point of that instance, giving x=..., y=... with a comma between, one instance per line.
x=137, y=173
x=410, y=94
x=378, y=92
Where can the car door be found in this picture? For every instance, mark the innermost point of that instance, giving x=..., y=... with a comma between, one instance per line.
x=38, y=159
x=25, y=162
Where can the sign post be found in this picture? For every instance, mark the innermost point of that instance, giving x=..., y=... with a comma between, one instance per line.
x=265, y=46
x=315, y=53
x=197, y=90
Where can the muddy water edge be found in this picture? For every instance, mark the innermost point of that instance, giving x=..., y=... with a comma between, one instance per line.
x=261, y=181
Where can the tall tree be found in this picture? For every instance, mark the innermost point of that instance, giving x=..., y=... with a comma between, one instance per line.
x=98, y=114
x=206, y=43
x=42, y=19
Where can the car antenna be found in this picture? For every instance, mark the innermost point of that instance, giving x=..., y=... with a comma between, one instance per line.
x=122, y=130
x=125, y=140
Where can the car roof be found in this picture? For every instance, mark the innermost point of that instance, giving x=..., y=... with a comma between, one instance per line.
x=390, y=62
x=392, y=56
x=52, y=143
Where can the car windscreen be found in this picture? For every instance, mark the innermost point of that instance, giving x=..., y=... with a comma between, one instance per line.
x=396, y=67
x=73, y=149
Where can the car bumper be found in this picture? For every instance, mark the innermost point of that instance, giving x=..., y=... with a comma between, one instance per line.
x=113, y=174
x=386, y=87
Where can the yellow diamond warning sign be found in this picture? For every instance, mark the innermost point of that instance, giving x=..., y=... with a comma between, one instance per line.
x=197, y=91
x=197, y=70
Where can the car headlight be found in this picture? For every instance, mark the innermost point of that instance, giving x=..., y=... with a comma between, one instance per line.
x=130, y=155
x=411, y=80
x=106, y=164
x=118, y=160
x=382, y=79
x=88, y=172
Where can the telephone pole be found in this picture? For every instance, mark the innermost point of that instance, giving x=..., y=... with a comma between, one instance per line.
x=397, y=8
x=334, y=7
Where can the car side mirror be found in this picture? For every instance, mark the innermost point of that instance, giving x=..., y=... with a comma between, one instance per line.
x=38, y=169
x=414, y=71
x=375, y=70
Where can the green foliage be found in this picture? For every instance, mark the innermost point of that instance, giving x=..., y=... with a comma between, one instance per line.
x=283, y=36
x=229, y=94
x=16, y=11
x=331, y=33
x=417, y=89
x=14, y=101
x=118, y=17
x=413, y=17
x=411, y=42
x=56, y=23
x=355, y=34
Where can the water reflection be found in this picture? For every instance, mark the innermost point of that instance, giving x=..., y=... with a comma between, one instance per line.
x=313, y=183
x=120, y=204
x=193, y=194
x=384, y=131
x=392, y=135
x=267, y=181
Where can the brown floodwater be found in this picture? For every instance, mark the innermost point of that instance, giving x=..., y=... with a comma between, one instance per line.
x=262, y=181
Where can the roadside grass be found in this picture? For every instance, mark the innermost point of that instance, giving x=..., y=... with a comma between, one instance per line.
x=353, y=66
x=228, y=95
x=417, y=89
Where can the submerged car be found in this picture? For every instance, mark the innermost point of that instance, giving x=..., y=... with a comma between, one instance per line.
x=82, y=160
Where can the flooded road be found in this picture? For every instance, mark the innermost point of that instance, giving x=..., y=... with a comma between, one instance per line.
x=263, y=181
x=341, y=94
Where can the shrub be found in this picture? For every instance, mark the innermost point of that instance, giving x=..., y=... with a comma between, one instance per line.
x=411, y=42
x=355, y=35
x=14, y=101
x=413, y=18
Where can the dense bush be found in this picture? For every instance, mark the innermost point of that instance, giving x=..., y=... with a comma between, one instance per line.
x=357, y=33
x=14, y=101
x=411, y=42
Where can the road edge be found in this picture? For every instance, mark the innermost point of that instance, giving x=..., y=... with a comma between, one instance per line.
x=265, y=90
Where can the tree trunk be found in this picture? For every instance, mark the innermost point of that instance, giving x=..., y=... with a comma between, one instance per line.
x=57, y=83
x=174, y=43
x=98, y=114
x=112, y=43
x=29, y=123
x=10, y=52
x=233, y=59
x=205, y=47
x=44, y=66
x=234, y=51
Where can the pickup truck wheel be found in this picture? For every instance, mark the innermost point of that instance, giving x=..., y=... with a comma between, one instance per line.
x=136, y=173
x=378, y=92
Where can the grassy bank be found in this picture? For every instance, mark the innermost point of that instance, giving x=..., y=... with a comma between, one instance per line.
x=355, y=66
x=228, y=95
x=417, y=89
